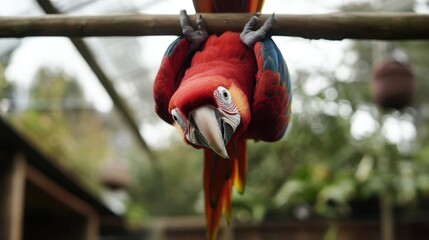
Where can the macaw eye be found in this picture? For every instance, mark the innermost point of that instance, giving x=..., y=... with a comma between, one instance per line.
x=223, y=95
x=179, y=119
x=175, y=115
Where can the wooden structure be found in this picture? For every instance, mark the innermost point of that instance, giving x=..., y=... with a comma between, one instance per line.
x=293, y=229
x=39, y=200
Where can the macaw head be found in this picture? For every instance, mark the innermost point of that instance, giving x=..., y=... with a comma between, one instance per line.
x=209, y=113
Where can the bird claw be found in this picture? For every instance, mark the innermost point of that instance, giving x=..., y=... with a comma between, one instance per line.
x=196, y=37
x=249, y=37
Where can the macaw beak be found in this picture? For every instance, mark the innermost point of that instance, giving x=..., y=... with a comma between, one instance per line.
x=210, y=130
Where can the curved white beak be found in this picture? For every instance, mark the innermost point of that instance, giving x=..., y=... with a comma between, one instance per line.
x=209, y=126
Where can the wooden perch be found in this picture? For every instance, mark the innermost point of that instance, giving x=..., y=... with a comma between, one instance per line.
x=335, y=26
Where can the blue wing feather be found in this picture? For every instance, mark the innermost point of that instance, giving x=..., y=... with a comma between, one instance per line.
x=170, y=48
x=273, y=93
x=274, y=61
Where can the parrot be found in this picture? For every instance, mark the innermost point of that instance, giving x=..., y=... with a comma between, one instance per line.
x=219, y=92
x=216, y=6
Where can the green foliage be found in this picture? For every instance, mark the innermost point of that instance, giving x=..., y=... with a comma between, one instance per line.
x=174, y=190
x=6, y=91
x=55, y=90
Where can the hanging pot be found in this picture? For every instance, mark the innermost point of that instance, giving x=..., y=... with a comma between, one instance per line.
x=393, y=85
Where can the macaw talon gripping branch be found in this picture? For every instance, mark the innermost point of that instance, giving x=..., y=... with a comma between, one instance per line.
x=249, y=36
x=196, y=37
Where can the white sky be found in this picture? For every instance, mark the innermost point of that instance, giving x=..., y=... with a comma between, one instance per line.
x=58, y=52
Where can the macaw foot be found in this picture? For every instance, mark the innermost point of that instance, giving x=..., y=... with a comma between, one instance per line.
x=196, y=37
x=249, y=36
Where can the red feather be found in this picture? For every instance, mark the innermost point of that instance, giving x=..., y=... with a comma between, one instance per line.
x=217, y=6
x=222, y=61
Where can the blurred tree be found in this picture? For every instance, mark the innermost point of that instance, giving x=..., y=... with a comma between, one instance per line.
x=7, y=89
x=61, y=122
x=176, y=193
x=53, y=90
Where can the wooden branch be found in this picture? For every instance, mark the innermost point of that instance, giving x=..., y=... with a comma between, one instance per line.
x=335, y=26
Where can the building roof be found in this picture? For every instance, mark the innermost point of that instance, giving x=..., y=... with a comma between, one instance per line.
x=12, y=140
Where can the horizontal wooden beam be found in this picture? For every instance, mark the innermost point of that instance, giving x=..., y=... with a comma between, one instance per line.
x=334, y=26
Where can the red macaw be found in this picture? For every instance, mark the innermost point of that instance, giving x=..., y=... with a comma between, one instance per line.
x=219, y=91
x=217, y=6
